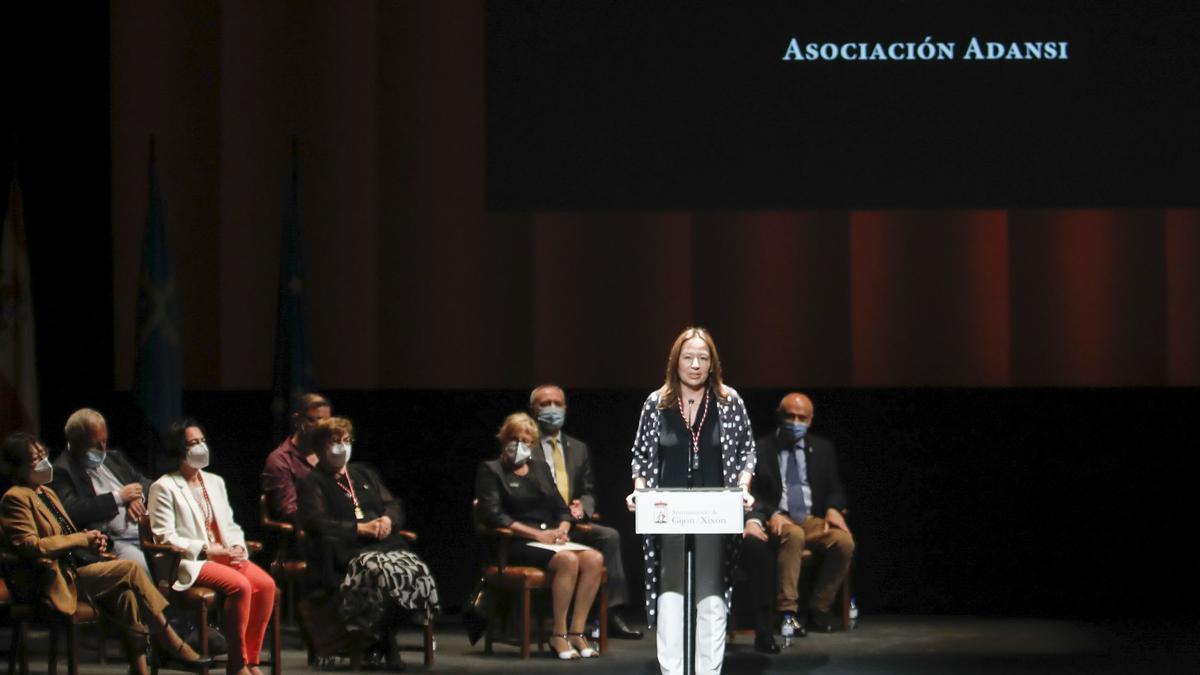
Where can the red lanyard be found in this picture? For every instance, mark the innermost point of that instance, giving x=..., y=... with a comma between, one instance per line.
x=210, y=516
x=349, y=490
x=699, y=427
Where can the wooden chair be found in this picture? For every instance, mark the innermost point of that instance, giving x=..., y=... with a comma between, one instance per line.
x=286, y=568
x=164, y=566
x=333, y=643
x=24, y=610
x=504, y=580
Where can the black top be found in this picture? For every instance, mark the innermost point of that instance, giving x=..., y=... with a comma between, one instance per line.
x=675, y=448
x=505, y=497
x=326, y=512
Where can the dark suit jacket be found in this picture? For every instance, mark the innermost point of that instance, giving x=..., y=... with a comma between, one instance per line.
x=579, y=470
x=326, y=513
x=491, y=488
x=87, y=509
x=823, y=477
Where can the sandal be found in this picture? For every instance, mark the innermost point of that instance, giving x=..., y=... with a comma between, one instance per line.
x=586, y=650
x=569, y=654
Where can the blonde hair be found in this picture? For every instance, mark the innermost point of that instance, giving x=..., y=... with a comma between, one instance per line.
x=669, y=393
x=514, y=424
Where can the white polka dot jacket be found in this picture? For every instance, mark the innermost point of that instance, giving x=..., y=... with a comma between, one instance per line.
x=737, y=455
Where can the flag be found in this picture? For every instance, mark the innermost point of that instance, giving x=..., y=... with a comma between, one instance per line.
x=293, y=372
x=158, y=370
x=18, y=365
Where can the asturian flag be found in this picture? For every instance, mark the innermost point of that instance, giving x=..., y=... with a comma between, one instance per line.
x=18, y=365
x=158, y=369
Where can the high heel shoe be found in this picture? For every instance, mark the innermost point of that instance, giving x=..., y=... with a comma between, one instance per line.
x=586, y=650
x=569, y=654
x=180, y=656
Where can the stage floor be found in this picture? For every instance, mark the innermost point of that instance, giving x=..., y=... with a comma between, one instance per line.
x=881, y=644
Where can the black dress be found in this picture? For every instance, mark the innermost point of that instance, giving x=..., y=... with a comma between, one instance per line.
x=371, y=577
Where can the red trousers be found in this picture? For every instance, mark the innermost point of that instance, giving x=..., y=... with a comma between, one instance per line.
x=249, y=599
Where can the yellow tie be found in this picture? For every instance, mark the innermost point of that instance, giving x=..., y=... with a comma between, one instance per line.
x=560, y=472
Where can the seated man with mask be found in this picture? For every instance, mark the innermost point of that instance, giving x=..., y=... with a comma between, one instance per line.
x=99, y=487
x=571, y=467
x=798, y=500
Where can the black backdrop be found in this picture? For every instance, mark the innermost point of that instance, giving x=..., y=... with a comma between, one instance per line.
x=990, y=501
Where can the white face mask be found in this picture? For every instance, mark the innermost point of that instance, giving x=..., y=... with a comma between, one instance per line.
x=198, y=456
x=522, y=454
x=42, y=472
x=339, y=454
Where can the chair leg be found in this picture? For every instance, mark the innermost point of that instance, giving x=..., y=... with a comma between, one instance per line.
x=429, y=641
x=101, y=644
x=492, y=614
x=276, y=641
x=203, y=616
x=52, y=657
x=72, y=653
x=603, y=618
x=15, y=645
x=525, y=616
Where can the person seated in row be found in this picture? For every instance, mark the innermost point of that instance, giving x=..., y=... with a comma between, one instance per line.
x=354, y=548
x=189, y=508
x=36, y=525
x=799, y=500
x=100, y=487
x=570, y=464
x=293, y=459
x=520, y=494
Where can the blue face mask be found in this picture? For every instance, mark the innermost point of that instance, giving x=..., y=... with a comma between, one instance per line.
x=552, y=417
x=795, y=430
x=93, y=458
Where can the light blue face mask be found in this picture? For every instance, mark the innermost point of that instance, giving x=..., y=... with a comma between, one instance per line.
x=552, y=417
x=94, y=457
x=43, y=472
x=517, y=452
x=795, y=430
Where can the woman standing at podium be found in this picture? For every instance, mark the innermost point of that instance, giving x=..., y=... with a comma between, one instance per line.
x=694, y=432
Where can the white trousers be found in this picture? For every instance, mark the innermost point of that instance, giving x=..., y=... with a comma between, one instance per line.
x=710, y=604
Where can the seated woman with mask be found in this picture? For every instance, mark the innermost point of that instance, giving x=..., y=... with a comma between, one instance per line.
x=518, y=493
x=36, y=525
x=354, y=546
x=189, y=508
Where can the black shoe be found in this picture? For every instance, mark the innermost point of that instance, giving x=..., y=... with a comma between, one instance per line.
x=178, y=658
x=619, y=629
x=821, y=622
x=765, y=643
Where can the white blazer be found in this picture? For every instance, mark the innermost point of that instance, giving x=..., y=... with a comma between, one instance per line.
x=176, y=518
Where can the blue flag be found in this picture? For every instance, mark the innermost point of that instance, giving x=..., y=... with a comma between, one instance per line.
x=293, y=372
x=158, y=371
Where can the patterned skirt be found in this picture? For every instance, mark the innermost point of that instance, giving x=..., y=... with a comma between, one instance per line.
x=379, y=582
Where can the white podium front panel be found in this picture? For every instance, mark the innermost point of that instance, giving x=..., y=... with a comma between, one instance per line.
x=694, y=511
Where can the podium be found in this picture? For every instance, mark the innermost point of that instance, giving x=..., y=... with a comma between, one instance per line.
x=689, y=511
